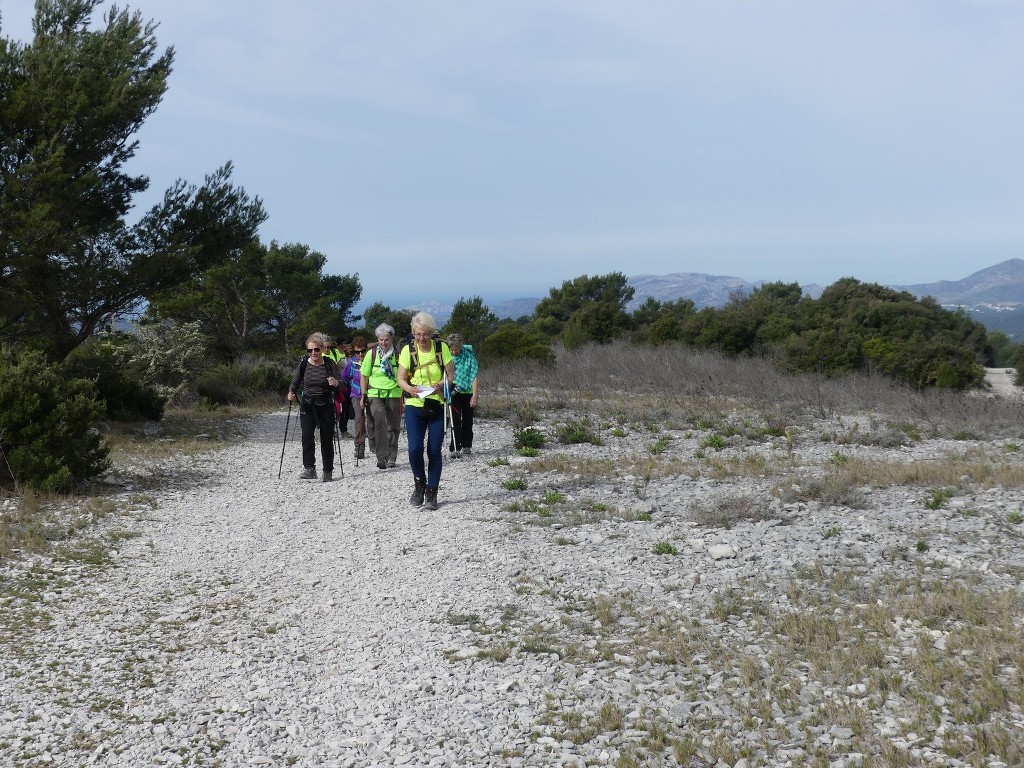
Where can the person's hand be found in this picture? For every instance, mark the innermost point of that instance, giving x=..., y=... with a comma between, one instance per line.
x=472, y=401
x=332, y=381
x=291, y=396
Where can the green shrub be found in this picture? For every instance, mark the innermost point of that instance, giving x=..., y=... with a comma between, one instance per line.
x=658, y=446
x=47, y=436
x=119, y=383
x=937, y=497
x=528, y=438
x=268, y=378
x=664, y=548
x=511, y=342
x=171, y=357
x=239, y=382
x=578, y=431
x=226, y=384
x=713, y=441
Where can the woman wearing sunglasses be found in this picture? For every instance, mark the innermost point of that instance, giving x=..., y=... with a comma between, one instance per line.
x=350, y=377
x=315, y=380
x=425, y=372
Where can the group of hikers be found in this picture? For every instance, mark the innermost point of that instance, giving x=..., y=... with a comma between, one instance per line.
x=367, y=390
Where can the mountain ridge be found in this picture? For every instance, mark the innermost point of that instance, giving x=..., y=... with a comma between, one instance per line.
x=993, y=295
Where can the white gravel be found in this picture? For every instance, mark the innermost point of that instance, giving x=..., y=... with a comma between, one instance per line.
x=258, y=621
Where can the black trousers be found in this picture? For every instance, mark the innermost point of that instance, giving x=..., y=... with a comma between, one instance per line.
x=462, y=419
x=312, y=417
x=346, y=413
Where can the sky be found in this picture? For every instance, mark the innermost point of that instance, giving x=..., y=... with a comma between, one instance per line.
x=453, y=149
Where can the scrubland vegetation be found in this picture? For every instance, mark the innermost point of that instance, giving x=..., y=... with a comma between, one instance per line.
x=895, y=659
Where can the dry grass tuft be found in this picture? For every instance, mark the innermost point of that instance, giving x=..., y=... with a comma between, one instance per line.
x=676, y=387
x=727, y=510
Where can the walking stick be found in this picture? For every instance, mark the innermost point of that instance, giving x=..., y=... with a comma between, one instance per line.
x=337, y=440
x=287, y=421
x=449, y=421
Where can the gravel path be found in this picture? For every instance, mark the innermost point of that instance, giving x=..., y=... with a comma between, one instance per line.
x=261, y=620
x=1001, y=380
x=258, y=621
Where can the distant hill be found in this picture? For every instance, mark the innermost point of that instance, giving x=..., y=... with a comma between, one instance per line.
x=438, y=310
x=994, y=296
x=515, y=308
x=702, y=290
x=1002, y=284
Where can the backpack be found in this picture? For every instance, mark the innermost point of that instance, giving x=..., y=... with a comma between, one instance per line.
x=414, y=355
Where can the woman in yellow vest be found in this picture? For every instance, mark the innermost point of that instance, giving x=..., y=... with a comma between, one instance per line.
x=425, y=371
x=381, y=397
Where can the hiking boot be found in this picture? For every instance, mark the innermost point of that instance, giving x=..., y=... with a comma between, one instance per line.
x=382, y=465
x=360, y=452
x=430, y=498
x=346, y=435
x=391, y=465
x=308, y=473
x=467, y=451
x=417, y=495
x=328, y=475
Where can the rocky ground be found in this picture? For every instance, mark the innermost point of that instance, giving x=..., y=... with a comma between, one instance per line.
x=656, y=599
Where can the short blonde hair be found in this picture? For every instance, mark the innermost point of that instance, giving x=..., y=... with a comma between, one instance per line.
x=321, y=340
x=424, y=321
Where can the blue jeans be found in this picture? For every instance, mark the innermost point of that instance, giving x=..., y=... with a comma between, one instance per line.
x=417, y=429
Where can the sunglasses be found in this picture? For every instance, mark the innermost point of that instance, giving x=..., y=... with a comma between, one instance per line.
x=359, y=351
x=313, y=349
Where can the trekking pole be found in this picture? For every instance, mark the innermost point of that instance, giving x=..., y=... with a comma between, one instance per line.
x=448, y=414
x=287, y=421
x=360, y=435
x=337, y=439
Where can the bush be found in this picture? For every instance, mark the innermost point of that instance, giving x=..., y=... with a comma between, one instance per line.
x=227, y=384
x=268, y=378
x=171, y=357
x=47, y=436
x=513, y=342
x=119, y=383
x=578, y=431
x=528, y=438
x=239, y=382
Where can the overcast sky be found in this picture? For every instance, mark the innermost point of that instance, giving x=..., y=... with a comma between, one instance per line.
x=445, y=149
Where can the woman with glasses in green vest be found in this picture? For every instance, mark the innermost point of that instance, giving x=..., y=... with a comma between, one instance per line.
x=382, y=397
x=425, y=373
